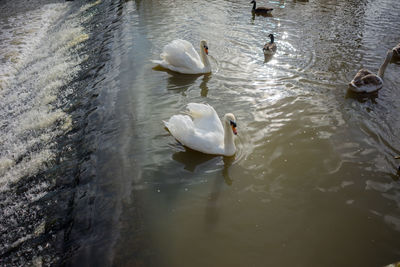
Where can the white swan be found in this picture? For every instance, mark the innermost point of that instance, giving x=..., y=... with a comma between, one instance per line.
x=367, y=82
x=180, y=56
x=205, y=133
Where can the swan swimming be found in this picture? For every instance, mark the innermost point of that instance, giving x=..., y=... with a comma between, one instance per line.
x=366, y=81
x=180, y=56
x=203, y=130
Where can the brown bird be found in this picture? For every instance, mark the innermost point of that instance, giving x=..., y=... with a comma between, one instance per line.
x=367, y=82
x=260, y=10
x=270, y=48
x=396, y=51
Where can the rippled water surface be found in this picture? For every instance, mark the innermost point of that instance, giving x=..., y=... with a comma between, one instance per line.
x=314, y=181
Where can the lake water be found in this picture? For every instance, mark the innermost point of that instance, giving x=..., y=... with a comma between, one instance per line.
x=89, y=176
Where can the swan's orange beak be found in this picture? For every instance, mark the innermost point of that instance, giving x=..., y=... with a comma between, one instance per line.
x=206, y=50
x=233, y=125
x=234, y=130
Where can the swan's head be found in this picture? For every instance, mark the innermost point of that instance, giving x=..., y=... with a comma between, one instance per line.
x=231, y=121
x=252, y=2
x=204, y=46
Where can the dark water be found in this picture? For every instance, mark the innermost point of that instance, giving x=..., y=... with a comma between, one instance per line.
x=90, y=177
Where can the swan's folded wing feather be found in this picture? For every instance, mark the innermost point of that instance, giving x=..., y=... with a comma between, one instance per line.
x=206, y=142
x=180, y=54
x=197, y=110
x=180, y=126
x=184, y=130
x=177, y=59
x=371, y=79
x=205, y=117
x=189, y=49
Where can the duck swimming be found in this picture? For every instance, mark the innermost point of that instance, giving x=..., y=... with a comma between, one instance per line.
x=270, y=48
x=260, y=10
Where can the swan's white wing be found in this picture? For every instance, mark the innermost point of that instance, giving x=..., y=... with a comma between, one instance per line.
x=186, y=132
x=189, y=49
x=181, y=55
x=180, y=127
x=205, y=117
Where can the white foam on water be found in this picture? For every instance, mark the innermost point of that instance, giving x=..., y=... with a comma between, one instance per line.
x=89, y=5
x=38, y=58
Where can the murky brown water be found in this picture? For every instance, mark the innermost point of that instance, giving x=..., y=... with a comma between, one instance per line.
x=314, y=181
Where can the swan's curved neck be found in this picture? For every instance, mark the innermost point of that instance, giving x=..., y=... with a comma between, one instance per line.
x=254, y=5
x=382, y=69
x=204, y=59
x=272, y=39
x=229, y=144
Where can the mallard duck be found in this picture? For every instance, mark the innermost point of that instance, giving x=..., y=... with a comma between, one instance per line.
x=180, y=56
x=270, y=48
x=367, y=82
x=203, y=130
x=260, y=10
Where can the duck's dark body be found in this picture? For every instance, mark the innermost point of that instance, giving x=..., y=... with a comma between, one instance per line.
x=260, y=10
x=270, y=48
